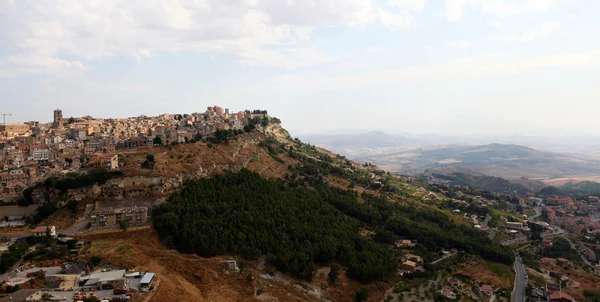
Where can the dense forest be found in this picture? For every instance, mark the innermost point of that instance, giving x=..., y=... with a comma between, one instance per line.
x=248, y=215
x=430, y=227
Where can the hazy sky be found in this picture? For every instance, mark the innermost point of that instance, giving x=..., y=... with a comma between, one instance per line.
x=421, y=66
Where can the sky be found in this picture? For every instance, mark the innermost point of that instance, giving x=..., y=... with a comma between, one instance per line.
x=450, y=67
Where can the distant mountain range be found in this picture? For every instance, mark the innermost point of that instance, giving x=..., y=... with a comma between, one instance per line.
x=414, y=155
x=506, y=161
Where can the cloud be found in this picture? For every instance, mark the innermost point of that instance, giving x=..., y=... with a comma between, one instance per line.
x=479, y=66
x=32, y=65
x=272, y=33
x=395, y=21
x=545, y=30
x=48, y=87
x=460, y=44
x=376, y=50
x=454, y=8
x=416, y=5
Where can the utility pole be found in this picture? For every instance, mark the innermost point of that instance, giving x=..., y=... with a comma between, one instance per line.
x=4, y=116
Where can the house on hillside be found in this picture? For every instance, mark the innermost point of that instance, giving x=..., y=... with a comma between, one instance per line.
x=560, y=297
x=552, y=288
x=409, y=265
x=42, y=231
x=546, y=243
x=414, y=258
x=404, y=243
x=486, y=289
x=448, y=293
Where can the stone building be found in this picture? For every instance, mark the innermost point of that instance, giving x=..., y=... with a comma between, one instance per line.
x=111, y=217
x=11, y=130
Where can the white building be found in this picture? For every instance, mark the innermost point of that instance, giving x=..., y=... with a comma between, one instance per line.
x=42, y=231
x=514, y=225
x=39, y=153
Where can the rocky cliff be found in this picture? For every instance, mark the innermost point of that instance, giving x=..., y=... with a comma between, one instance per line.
x=176, y=164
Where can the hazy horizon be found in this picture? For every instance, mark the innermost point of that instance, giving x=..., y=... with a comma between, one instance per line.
x=450, y=67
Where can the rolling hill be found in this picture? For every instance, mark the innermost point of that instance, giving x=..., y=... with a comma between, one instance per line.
x=500, y=160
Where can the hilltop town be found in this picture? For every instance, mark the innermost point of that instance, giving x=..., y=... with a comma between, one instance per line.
x=121, y=209
x=33, y=151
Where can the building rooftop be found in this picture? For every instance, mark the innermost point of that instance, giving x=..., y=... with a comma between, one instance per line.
x=19, y=295
x=147, y=278
x=41, y=229
x=124, y=210
x=560, y=295
x=107, y=276
x=486, y=287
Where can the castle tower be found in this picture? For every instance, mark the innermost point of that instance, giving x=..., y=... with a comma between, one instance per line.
x=58, y=118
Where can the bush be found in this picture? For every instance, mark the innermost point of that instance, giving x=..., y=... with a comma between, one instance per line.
x=45, y=210
x=75, y=180
x=334, y=272
x=124, y=225
x=95, y=260
x=362, y=295
x=72, y=205
x=150, y=157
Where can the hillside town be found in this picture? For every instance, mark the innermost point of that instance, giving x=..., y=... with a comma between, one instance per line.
x=32, y=151
x=556, y=234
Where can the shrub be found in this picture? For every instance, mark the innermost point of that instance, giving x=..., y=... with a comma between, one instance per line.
x=362, y=295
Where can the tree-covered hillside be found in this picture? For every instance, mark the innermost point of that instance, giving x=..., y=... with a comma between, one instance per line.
x=303, y=221
x=582, y=188
x=246, y=214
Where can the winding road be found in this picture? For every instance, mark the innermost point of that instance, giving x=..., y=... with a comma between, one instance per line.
x=518, y=294
x=578, y=252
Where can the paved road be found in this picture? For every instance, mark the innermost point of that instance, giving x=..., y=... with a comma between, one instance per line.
x=444, y=257
x=485, y=222
x=518, y=294
x=578, y=252
x=76, y=228
x=538, y=213
x=517, y=239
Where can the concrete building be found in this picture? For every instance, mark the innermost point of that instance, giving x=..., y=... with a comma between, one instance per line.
x=231, y=265
x=105, y=280
x=107, y=161
x=39, y=153
x=514, y=225
x=137, y=215
x=78, y=134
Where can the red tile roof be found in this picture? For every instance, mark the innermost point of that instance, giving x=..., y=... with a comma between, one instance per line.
x=41, y=229
x=560, y=295
x=486, y=287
